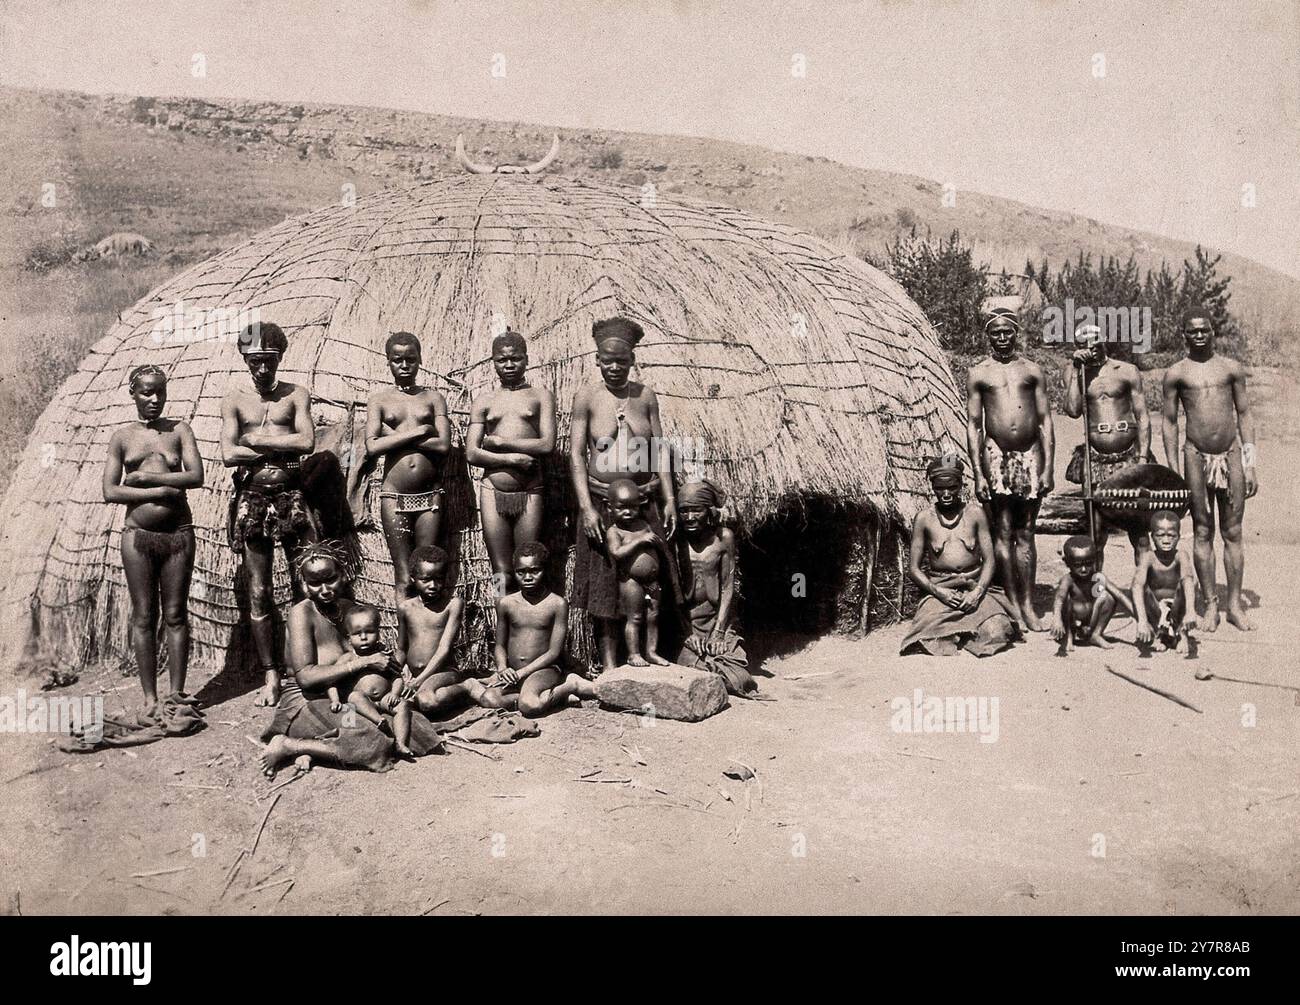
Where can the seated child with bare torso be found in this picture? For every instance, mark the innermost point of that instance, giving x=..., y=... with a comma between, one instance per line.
x=531, y=627
x=1085, y=601
x=634, y=547
x=375, y=695
x=427, y=625
x=1164, y=590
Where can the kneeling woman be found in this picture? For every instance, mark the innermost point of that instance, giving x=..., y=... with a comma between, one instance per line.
x=305, y=728
x=150, y=465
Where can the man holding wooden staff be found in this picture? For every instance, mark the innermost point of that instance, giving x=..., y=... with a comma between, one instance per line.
x=1117, y=431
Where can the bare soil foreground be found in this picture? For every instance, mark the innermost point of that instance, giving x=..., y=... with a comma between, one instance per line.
x=1097, y=796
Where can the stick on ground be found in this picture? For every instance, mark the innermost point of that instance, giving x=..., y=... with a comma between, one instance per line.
x=1153, y=689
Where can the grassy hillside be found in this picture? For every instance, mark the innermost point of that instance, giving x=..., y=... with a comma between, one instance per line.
x=198, y=177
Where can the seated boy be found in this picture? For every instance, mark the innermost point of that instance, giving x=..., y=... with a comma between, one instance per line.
x=1164, y=589
x=634, y=547
x=375, y=695
x=531, y=627
x=1085, y=601
x=427, y=625
x=708, y=566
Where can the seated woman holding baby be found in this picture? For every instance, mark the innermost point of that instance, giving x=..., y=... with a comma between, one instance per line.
x=308, y=728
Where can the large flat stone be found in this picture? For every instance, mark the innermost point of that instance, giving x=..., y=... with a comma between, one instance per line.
x=670, y=692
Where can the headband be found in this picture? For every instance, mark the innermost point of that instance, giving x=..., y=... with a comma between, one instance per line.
x=143, y=371
x=945, y=468
x=701, y=493
x=1003, y=314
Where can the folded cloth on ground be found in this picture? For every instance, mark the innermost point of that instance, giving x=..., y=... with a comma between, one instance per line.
x=489, y=725
x=177, y=715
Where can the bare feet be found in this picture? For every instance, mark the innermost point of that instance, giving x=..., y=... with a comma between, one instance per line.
x=1237, y=618
x=1032, y=624
x=270, y=695
x=1210, y=621
x=658, y=660
x=582, y=687
x=302, y=763
x=1101, y=642
x=403, y=750
x=637, y=660
x=275, y=756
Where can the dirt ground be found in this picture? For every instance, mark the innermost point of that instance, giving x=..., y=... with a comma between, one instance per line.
x=1097, y=796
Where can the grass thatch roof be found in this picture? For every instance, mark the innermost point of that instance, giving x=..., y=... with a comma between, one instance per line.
x=846, y=403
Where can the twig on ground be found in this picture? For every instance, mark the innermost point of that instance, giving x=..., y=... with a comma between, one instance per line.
x=430, y=910
x=31, y=771
x=1152, y=688
x=288, y=781
x=267, y=886
x=1257, y=683
x=260, y=827
x=928, y=757
x=159, y=872
x=470, y=747
x=606, y=781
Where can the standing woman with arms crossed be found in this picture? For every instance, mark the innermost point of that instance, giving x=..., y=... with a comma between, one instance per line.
x=150, y=464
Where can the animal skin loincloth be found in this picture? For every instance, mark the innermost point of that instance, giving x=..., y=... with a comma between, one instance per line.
x=258, y=514
x=1216, y=466
x=1104, y=466
x=1012, y=472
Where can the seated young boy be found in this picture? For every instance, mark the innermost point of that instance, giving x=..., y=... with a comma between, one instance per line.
x=1164, y=589
x=1085, y=601
x=427, y=625
x=375, y=695
x=531, y=628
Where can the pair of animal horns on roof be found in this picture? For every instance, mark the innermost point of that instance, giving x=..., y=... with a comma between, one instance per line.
x=535, y=168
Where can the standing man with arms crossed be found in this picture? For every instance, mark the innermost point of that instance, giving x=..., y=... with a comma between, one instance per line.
x=1012, y=446
x=265, y=431
x=1217, y=460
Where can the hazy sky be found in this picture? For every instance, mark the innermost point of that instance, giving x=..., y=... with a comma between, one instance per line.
x=1149, y=114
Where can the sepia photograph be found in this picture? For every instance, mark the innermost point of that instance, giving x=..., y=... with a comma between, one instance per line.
x=665, y=457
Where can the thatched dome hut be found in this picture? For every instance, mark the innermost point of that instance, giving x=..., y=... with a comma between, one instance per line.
x=813, y=386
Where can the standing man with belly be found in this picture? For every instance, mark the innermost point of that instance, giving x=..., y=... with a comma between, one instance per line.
x=265, y=432
x=1011, y=443
x=1217, y=460
x=1119, y=430
x=614, y=433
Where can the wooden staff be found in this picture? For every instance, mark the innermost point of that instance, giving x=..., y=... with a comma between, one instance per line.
x=1153, y=689
x=1087, y=452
